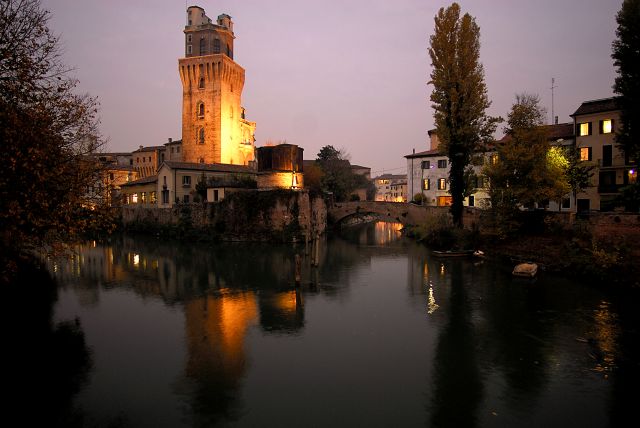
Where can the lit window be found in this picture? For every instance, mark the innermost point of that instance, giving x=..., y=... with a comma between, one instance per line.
x=632, y=176
x=584, y=129
x=143, y=197
x=134, y=198
x=585, y=153
x=442, y=184
x=152, y=197
x=426, y=184
x=493, y=159
x=606, y=126
x=442, y=163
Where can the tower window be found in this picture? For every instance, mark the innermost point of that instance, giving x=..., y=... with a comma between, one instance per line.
x=189, y=49
x=201, y=136
x=201, y=83
x=216, y=45
x=201, y=110
x=202, y=46
x=189, y=38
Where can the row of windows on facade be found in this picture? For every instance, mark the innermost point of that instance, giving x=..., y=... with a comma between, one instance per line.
x=478, y=183
x=140, y=198
x=442, y=163
x=150, y=198
x=605, y=126
x=215, y=49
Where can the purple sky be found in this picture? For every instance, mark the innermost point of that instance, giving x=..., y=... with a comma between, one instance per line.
x=349, y=73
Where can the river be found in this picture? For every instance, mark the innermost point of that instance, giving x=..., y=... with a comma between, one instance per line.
x=381, y=333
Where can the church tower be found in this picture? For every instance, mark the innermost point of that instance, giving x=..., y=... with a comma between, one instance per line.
x=214, y=129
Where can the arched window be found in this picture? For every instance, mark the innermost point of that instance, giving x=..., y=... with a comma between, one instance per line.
x=201, y=136
x=201, y=110
x=216, y=46
x=201, y=160
x=201, y=83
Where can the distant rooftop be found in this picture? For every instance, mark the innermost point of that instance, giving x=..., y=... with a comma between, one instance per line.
x=426, y=153
x=146, y=180
x=597, y=106
x=218, y=167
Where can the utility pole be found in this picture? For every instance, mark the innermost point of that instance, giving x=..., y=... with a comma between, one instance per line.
x=553, y=86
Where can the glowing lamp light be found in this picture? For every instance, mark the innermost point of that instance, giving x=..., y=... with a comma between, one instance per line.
x=136, y=259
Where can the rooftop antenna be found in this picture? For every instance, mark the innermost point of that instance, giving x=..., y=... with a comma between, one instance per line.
x=553, y=86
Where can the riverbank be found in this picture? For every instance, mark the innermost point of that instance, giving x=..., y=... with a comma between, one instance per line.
x=606, y=254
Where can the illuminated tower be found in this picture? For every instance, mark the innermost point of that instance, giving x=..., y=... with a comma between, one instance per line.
x=214, y=129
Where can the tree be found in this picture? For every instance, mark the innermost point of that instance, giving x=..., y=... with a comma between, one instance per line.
x=459, y=96
x=47, y=133
x=578, y=172
x=337, y=176
x=527, y=170
x=626, y=56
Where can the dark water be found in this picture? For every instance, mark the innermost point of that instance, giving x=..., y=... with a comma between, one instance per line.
x=380, y=334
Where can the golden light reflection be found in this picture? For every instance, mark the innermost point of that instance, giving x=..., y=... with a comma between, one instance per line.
x=606, y=333
x=432, y=306
x=216, y=328
x=442, y=271
x=386, y=232
x=136, y=260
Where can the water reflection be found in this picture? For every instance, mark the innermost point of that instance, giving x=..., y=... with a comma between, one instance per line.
x=457, y=385
x=380, y=332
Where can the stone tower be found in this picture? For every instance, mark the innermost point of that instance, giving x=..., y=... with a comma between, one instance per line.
x=214, y=129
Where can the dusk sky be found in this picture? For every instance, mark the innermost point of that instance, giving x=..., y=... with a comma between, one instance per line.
x=350, y=73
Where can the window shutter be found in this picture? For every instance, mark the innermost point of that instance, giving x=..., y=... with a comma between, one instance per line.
x=590, y=129
x=590, y=158
x=600, y=126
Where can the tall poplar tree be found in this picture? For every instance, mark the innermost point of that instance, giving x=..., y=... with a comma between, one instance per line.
x=459, y=96
x=626, y=56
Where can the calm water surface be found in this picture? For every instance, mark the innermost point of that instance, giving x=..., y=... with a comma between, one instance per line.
x=380, y=334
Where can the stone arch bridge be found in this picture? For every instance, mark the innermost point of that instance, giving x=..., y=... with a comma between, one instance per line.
x=405, y=213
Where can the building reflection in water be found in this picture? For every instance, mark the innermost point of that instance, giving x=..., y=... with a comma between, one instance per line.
x=604, y=343
x=224, y=293
x=386, y=232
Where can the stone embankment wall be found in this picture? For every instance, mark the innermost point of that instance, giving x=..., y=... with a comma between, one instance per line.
x=279, y=215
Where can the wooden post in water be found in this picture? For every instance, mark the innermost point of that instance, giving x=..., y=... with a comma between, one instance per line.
x=298, y=262
x=315, y=259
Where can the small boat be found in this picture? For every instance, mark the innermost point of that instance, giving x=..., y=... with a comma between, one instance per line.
x=525, y=270
x=453, y=253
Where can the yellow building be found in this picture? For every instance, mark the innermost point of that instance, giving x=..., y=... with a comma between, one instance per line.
x=214, y=128
x=596, y=123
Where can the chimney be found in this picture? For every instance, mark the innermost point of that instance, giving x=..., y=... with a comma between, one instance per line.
x=556, y=120
x=170, y=140
x=414, y=151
